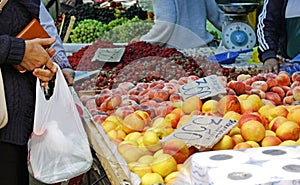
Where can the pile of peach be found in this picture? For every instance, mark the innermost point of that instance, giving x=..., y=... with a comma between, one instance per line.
x=137, y=117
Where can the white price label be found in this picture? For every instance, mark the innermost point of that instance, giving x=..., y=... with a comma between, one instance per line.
x=203, y=88
x=108, y=54
x=202, y=131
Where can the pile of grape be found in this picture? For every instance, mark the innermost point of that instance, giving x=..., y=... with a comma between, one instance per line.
x=87, y=31
x=129, y=30
x=87, y=11
x=135, y=10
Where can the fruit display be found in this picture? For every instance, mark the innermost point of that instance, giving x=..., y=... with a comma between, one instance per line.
x=137, y=117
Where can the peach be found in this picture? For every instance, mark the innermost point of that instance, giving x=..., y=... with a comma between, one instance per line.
x=230, y=91
x=129, y=152
x=277, y=111
x=99, y=118
x=261, y=85
x=231, y=84
x=274, y=97
x=295, y=84
x=288, y=143
x=247, y=117
x=243, y=77
x=242, y=145
x=151, y=140
x=270, y=141
x=283, y=79
x=191, y=104
x=288, y=100
x=228, y=103
x=254, y=144
x=296, y=93
x=170, y=179
x=270, y=133
x=258, y=92
x=270, y=75
x=272, y=82
x=296, y=76
x=250, y=103
x=253, y=130
x=122, y=112
x=248, y=81
x=178, y=149
x=274, y=124
x=239, y=88
x=175, y=97
x=265, y=109
x=184, y=119
x=288, y=130
x=135, y=122
x=159, y=95
x=235, y=130
x=173, y=118
x=164, y=164
x=225, y=143
x=279, y=91
x=294, y=115
x=238, y=138
x=286, y=88
x=210, y=106
x=232, y=115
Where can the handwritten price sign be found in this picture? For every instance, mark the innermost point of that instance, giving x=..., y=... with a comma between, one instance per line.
x=202, y=131
x=203, y=88
x=108, y=54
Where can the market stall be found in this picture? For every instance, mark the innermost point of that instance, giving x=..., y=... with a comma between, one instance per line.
x=153, y=114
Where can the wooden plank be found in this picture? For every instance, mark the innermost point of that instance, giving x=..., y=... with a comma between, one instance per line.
x=111, y=165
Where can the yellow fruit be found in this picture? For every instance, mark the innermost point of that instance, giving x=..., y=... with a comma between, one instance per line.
x=164, y=164
x=152, y=178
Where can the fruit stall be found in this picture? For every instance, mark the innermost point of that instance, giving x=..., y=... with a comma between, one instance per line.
x=157, y=115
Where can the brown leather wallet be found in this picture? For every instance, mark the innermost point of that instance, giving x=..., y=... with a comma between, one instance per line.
x=33, y=30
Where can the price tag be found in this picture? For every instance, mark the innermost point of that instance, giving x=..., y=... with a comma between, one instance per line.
x=203, y=88
x=108, y=54
x=79, y=75
x=202, y=131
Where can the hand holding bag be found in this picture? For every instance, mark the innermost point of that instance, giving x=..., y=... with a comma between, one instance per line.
x=3, y=109
x=58, y=148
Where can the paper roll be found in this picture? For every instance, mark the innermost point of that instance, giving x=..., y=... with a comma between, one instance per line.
x=283, y=169
x=272, y=152
x=220, y=158
x=239, y=174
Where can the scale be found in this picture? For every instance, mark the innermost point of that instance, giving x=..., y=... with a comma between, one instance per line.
x=237, y=34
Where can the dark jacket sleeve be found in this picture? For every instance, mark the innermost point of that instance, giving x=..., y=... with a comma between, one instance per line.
x=269, y=28
x=11, y=50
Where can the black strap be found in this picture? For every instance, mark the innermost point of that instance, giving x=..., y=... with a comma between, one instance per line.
x=50, y=3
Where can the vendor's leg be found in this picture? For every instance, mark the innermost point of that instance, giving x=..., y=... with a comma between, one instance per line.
x=13, y=164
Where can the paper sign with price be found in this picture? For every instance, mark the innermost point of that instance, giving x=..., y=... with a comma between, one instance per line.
x=203, y=88
x=108, y=54
x=202, y=131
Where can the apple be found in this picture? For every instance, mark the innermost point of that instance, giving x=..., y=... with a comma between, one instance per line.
x=133, y=136
x=178, y=149
x=270, y=141
x=253, y=130
x=288, y=130
x=247, y=117
x=164, y=164
x=250, y=103
x=228, y=103
x=191, y=104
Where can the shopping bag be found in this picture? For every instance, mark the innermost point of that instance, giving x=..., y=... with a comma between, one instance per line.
x=3, y=109
x=58, y=148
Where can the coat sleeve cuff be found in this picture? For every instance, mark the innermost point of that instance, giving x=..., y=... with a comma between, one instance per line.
x=61, y=60
x=267, y=54
x=17, y=50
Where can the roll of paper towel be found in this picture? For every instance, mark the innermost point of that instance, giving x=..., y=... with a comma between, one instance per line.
x=219, y=158
x=272, y=152
x=285, y=171
x=239, y=174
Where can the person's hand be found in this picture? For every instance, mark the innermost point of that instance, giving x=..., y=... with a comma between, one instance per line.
x=36, y=56
x=69, y=75
x=271, y=65
x=38, y=59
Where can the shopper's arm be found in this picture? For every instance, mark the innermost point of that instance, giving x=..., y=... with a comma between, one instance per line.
x=214, y=14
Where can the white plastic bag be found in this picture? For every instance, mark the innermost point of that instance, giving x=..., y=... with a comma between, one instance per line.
x=58, y=148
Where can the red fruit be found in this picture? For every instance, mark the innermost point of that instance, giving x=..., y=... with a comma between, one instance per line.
x=239, y=88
